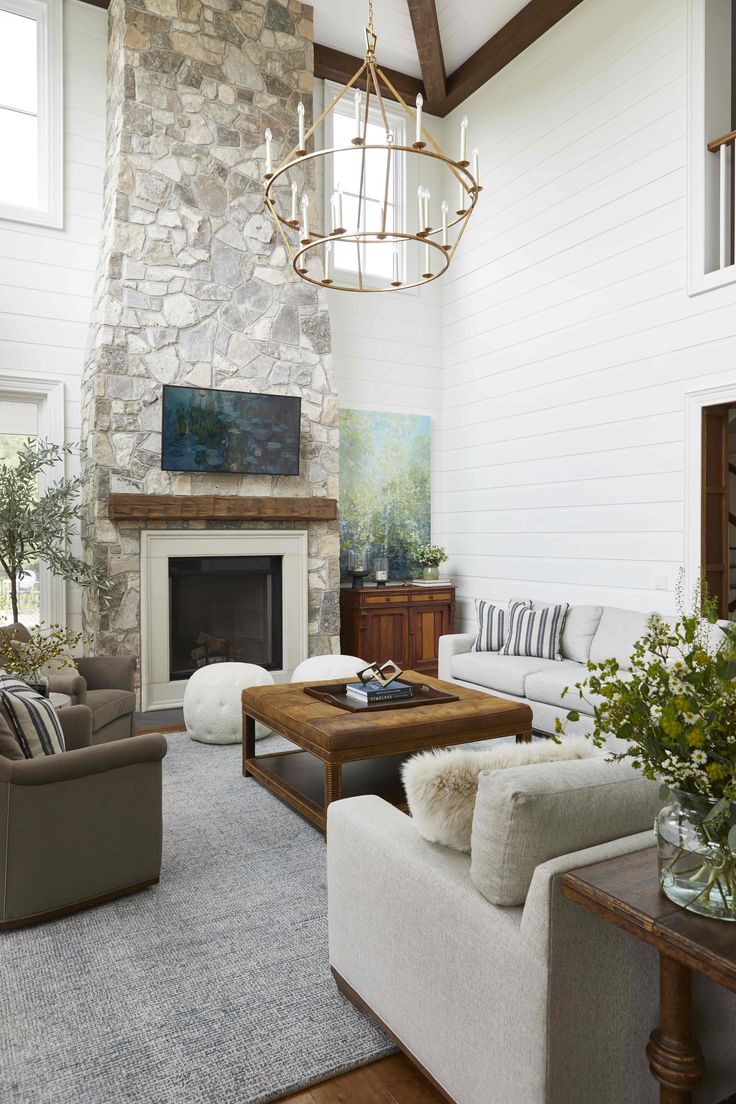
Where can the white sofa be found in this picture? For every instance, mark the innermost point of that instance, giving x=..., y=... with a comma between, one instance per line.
x=590, y=632
x=501, y=989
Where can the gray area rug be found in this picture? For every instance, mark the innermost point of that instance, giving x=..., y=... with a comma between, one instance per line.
x=211, y=988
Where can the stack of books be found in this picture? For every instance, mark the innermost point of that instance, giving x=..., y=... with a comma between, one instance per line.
x=372, y=692
x=431, y=582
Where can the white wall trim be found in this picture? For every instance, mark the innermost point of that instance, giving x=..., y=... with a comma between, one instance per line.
x=695, y=402
x=50, y=60
x=157, y=546
x=48, y=394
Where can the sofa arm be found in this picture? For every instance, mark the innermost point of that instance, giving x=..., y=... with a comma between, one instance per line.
x=71, y=683
x=83, y=762
x=455, y=644
x=76, y=724
x=107, y=672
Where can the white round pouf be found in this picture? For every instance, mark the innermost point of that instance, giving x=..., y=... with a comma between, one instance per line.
x=327, y=666
x=213, y=711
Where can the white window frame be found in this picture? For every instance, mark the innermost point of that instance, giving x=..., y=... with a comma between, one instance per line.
x=698, y=280
x=48, y=395
x=50, y=209
x=398, y=121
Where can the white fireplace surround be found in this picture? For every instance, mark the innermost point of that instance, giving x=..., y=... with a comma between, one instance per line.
x=158, y=691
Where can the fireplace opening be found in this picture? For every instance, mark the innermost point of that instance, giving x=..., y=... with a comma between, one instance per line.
x=224, y=609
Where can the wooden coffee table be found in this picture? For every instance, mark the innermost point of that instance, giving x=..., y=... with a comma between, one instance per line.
x=343, y=754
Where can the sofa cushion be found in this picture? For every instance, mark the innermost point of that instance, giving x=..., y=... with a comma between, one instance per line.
x=495, y=671
x=536, y=632
x=108, y=705
x=9, y=746
x=618, y=631
x=493, y=624
x=528, y=815
x=578, y=631
x=547, y=687
x=441, y=785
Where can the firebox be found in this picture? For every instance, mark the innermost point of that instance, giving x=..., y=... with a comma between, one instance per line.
x=224, y=609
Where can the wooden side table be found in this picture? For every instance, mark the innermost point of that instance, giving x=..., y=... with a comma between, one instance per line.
x=625, y=892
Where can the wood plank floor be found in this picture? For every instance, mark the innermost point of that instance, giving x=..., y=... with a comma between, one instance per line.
x=392, y=1080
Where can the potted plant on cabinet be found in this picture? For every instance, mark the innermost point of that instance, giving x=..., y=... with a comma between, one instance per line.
x=429, y=557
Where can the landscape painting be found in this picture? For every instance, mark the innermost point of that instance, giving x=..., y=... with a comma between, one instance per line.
x=205, y=430
x=385, y=486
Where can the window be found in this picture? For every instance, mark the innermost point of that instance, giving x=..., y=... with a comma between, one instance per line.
x=31, y=111
x=374, y=260
x=712, y=144
x=18, y=422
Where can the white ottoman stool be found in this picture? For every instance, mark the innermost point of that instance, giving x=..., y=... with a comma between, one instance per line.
x=327, y=666
x=212, y=707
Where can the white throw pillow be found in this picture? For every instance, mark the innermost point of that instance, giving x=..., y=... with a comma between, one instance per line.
x=441, y=785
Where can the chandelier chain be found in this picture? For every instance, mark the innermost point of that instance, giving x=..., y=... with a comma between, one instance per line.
x=370, y=16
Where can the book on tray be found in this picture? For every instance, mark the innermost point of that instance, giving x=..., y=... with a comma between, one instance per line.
x=374, y=692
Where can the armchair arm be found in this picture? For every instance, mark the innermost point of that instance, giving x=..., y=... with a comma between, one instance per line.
x=454, y=644
x=71, y=683
x=76, y=724
x=107, y=672
x=84, y=761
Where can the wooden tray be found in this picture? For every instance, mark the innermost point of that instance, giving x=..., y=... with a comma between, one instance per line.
x=336, y=694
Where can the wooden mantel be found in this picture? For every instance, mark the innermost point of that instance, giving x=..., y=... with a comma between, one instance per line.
x=145, y=507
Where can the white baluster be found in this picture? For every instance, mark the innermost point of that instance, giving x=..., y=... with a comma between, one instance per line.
x=723, y=207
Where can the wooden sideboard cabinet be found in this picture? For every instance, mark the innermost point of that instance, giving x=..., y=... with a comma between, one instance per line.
x=401, y=622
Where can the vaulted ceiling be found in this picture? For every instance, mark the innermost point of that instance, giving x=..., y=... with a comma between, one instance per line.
x=429, y=46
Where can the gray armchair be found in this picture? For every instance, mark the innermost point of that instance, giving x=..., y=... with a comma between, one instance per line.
x=103, y=683
x=80, y=828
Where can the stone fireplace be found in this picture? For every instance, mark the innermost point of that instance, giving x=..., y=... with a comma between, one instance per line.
x=195, y=288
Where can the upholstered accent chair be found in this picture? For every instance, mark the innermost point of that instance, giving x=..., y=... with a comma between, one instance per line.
x=80, y=827
x=103, y=683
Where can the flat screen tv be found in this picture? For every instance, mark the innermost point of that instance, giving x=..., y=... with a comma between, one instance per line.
x=206, y=430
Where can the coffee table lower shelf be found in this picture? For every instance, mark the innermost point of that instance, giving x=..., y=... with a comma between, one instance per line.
x=308, y=784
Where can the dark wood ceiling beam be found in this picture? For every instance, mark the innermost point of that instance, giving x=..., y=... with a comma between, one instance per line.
x=336, y=66
x=514, y=37
x=429, y=48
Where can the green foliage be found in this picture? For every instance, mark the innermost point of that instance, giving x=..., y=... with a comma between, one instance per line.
x=675, y=707
x=428, y=555
x=36, y=526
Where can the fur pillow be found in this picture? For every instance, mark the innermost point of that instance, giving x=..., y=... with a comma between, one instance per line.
x=441, y=785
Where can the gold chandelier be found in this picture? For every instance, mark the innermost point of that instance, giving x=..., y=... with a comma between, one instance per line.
x=433, y=243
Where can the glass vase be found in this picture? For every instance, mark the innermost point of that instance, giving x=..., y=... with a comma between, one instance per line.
x=697, y=867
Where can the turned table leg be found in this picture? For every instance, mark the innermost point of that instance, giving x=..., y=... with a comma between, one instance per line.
x=249, y=742
x=674, y=1056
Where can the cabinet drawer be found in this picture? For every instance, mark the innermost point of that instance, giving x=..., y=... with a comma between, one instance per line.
x=386, y=599
x=432, y=596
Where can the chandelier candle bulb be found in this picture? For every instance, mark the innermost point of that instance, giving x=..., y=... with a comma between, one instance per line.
x=476, y=166
x=338, y=207
x=461, y=207
x=427, y=224
x=463, y=140
x=420, y=203
x=269, y=166
x=300, y=113
x=328, y=250
x=294, y=190
x=444, y=222
x=305, y=219
x=420, y=101
x=427, y=272
x=396, y=266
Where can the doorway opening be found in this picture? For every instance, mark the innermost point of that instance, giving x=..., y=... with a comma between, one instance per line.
x=718, y=505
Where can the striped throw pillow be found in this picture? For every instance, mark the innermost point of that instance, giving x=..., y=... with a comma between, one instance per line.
x=32, y=719
x=493, y=624
x=536, y=632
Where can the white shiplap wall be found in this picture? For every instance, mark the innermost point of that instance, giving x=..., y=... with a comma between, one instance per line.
x=569, y=342
x=46, y=275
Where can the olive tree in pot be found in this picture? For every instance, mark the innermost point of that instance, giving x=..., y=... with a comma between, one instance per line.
x=35, y=524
